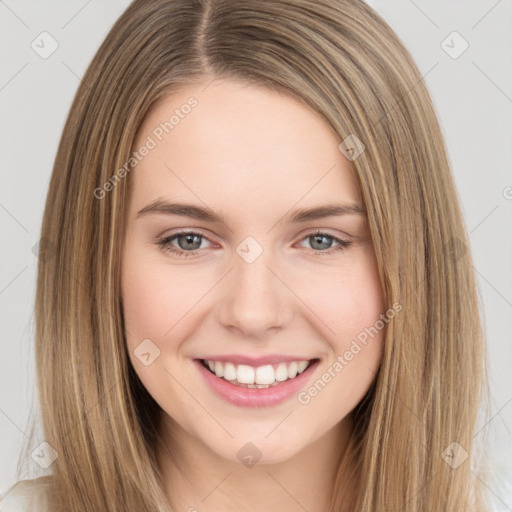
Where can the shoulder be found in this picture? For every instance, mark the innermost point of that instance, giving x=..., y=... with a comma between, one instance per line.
x=25, y=496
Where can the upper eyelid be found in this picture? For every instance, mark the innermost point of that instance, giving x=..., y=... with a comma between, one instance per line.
x=183, y=232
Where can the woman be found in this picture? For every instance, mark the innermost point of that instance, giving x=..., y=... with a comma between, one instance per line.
x=261, y=293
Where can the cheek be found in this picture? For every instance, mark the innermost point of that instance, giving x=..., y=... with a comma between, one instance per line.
x=151, y=299
x=350, y=308
x=347, y=301
x=161, y=302
x=143, y=308
x=153, y=304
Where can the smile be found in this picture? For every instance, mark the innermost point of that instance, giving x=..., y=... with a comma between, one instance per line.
x=247, y=392
x=256, y=377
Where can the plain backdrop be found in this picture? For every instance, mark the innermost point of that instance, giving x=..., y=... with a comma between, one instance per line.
x=471, y=88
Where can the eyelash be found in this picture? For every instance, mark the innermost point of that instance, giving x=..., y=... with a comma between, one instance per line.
x=165, y=243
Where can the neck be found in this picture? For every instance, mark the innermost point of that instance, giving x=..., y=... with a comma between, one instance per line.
x=197, y=479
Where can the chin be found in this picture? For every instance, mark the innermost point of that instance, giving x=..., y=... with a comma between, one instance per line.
x=250, y=450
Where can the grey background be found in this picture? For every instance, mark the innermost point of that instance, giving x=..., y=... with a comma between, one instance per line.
x=472, y=94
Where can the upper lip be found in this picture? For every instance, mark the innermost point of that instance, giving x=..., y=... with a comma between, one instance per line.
x=256, y=361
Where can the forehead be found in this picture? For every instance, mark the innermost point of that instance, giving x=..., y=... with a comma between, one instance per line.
x=240, y=143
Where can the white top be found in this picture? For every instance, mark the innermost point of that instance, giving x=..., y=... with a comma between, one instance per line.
x=24, y=496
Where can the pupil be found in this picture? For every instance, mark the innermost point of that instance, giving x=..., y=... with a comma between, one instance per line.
x=320, y=238
x=189, y=240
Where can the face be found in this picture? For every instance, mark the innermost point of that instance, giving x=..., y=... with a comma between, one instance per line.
x=229, y=259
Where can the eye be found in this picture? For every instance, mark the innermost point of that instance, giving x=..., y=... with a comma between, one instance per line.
x=322, y=241
x=188, y=243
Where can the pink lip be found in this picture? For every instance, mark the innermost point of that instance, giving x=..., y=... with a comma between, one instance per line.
x=253, y=397
x=256, y=361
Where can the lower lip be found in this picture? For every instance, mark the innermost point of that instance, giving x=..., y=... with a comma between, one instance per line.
x=254, y=397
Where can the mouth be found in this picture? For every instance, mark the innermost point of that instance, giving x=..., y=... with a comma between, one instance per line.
x=260, y=377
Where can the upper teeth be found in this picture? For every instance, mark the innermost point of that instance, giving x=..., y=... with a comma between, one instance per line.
x=267, y=374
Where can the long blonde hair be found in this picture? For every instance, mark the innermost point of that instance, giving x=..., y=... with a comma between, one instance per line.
x=344, y=61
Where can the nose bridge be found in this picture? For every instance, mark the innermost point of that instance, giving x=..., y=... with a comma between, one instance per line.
x=255, y=299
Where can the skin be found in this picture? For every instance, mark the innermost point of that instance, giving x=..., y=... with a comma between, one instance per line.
x=252, y=155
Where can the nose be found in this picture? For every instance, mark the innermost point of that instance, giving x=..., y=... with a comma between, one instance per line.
x=255, y=299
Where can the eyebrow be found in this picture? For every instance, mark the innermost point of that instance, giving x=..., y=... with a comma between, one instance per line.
x=206, y=214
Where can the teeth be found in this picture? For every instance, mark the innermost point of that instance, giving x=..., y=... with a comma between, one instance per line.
x=260, y=377
x=230, y=372
x=265, y=374
x=302, y=366
x=244, y=374
x=281, y=372
x=292, y=370
x=219, y=369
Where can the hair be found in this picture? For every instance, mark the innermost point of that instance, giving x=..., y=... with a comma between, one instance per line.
x=343, y=60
